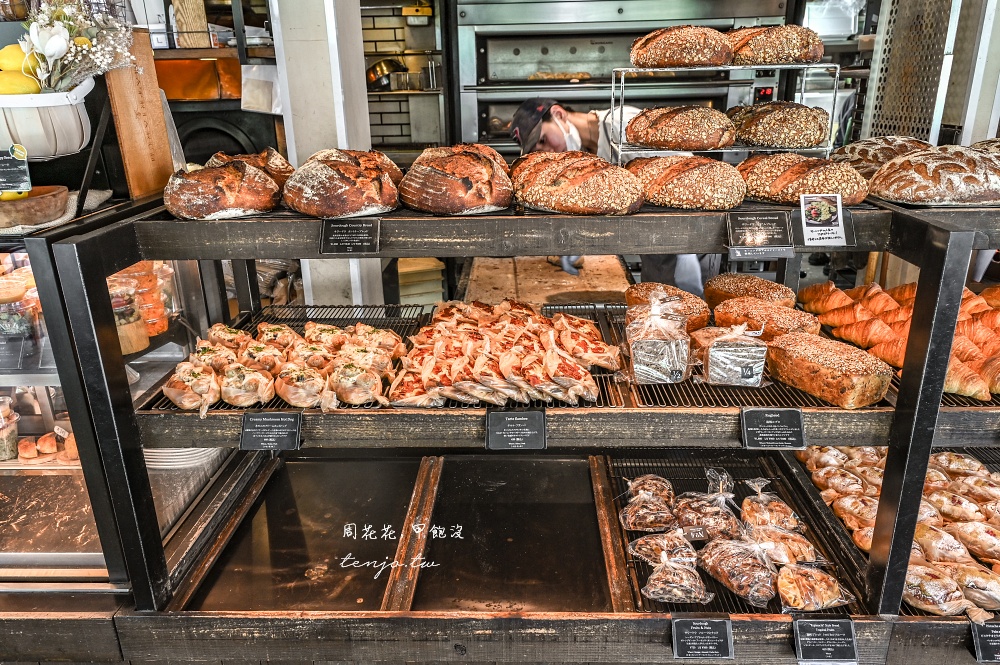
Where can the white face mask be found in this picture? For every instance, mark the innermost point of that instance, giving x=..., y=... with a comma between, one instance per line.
x=571, y=135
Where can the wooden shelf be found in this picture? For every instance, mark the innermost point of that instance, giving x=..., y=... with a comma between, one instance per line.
x=211, y=53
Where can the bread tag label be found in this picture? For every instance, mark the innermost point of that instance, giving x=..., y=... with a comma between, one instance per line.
x=825, y=642
x=519, y=429
x=772, y=428
x=275, y=430
x=699, y=636
x=350, y=236
x=823, y=222
x=14, y=175
x=759, y=235
x=986, y=637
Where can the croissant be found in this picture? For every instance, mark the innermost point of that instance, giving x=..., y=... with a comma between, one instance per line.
x=844, y=315
x=987, y=340
x=991, y=295
x=989, y=370
x=902, y=313
x=879, y=302
x=989, y=318
x=975, y=305
x=830, y=301
x=865, y=334
x=892, y=352
x=961, y=380
x=903, y=292
x=859, y=292
x=963, y=349
x=815, y=291
x=901, y=328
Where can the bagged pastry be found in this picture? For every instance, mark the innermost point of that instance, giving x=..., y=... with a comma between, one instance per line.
x=856, y=512
x=192, y=388
x=766, y=508
x=710, y=511
x=928, y=514
x=936, y=479
x=736, y=358
x=863, y=538
x=872, y=475
x=659, y=345
x=823, y=456
x=781, y=546
x=980, y=538
x=659, y=487
x=862, y=455
x=835, y=482
x=927, y=588
x=670, y=546
x=939, y=545
x=673, y=582
x=959, y=464
x=978, y=583
x=978, y=488
x=808, y=589
x=955, y=508
x=741, y=567
x=646, y=512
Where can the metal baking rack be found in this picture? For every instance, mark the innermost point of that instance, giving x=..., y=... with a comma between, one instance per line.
x=622, y=150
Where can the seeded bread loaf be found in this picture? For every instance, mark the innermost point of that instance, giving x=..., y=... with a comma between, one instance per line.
x=868, y=155
x=638, y=296
x=988, y=145
x=464, y=179
x=783, y=177
x=780, y=125
x=681, y=46
x=681, y=128
x=833, y=371
x=697, y=183
x=944, y=175
x=758, y=314
x=576, y=183
x=221, y=192
x=737, y=285
x=778, y=45
x=270, y=161
x=343, y=183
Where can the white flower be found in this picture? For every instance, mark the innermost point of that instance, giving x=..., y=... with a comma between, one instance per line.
x=51, y=42
x=25, y=44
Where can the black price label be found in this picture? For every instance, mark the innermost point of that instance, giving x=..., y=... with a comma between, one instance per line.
x=11, y=352
x=986, y=637
x=772, y=428
x=706, y=638
x=14, y=175
x=350, y=236
x=515, y=430
x=759, y=235
x=695, y=533
x=274, y=430
x=827, y=641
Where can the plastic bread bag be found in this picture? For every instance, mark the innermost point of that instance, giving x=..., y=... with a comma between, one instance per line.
x=959, y=464
x=735, y=358
x=872, y=475
x=824, y=456
x=741, y=567
x=783, y=547
x=809, y=589
x=192, y=388
x=766, y=508
x=673, y=582
x=659, y=487
x=940, y=546
x=927, y=588
x=645, y=512
x=980, y=538
x=712, y=511
x=978, y=583
x=670, y=546
x=955, y=508
x=658, y=344
x=835, y=482
x=856, y=512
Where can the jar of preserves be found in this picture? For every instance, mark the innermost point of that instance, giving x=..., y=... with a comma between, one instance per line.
x=132, y=333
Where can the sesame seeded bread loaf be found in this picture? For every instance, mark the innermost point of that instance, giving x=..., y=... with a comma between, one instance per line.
x=459, y=180
x=758, y=314
x=697, y=183
x=270, y=161
x=681, y=128
x=868, y=155
x=221, y=192
x=681, y=46
x=780, y=125
x=576, y=183
x=737, y=285
x=989, y=145
x=783, y=177
x=833, y=371
x=638, y=296
x=944, y=175
x=778, y=45
x=343, y=183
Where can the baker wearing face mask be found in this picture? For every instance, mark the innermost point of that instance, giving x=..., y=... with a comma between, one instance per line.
x=547, y=125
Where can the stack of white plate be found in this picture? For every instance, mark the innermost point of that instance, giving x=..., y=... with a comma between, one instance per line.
x=179, y=458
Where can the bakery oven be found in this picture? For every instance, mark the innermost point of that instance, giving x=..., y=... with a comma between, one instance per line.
x=511, y=50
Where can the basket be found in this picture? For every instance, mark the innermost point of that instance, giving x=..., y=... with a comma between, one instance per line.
x=48, y=125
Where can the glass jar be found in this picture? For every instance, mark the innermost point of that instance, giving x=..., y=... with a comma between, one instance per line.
x=157, y=326
x=32, y=301
x=12, y=288
x=153, y=310
x=132, y=333
x=165, y=282
x=8, y=434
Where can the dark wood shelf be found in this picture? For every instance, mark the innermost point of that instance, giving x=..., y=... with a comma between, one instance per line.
x=211, y=53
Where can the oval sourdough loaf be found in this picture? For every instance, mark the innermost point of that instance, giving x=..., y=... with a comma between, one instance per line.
x=780, y=125
x=682, y=46
x=679, y=181
x=774, y=320
x=989, y=145
x=221, y=192
x=868, y=155
x=269, y=160
x=944, y=175
x=577, y=183
x=783, y=177
x=343, y=183
x=681, y=128
x=737, y=285
x=778, y=45
x=690, y=305
x=465, y=179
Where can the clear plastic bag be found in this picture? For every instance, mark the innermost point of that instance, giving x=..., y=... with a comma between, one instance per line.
x=980, y=538
x=954, y=507
x=783, y=547
x=710, y=511
x=659, y=487
x=978, y=583
x=856, y=512
x=671, y=546
x=673, y=582
x=741, y=567
x=927, y=588
x=734, y=358
x=659, y=345
x=808, y=589
x=939, y=545
x=646, y=512
x=824, y=456
x=835, y=482
x=766, y=508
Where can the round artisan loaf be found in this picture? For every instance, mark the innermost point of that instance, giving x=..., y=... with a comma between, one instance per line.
x=943, y=175
x=680, y=181
x=269, y=160
x=868, y=155
x=780, y=125
x=778, y=45
x=575, y=182
x=988, y=145
x=682, y=46
x=681, y=128
x=343, y=183
x=690, y=305
x=728, y=285
x=783, y=177
x=221, y=192
x=465, y=179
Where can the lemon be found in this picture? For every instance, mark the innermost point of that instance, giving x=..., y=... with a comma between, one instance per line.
x=13, y=196
x=12, y=58
x=16, y=83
